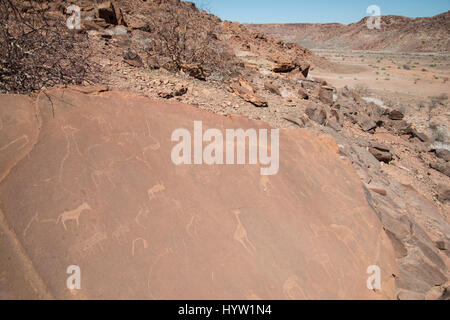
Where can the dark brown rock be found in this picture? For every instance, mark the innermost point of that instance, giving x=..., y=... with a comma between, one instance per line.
x=381, y=155
x=443, y=168
x=443, y=245
x=396, y=115
x=443, y=154
x=304, y=69
x=111, y=13
x=284, y=67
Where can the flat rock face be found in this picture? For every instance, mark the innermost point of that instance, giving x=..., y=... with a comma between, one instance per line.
x=94, y=186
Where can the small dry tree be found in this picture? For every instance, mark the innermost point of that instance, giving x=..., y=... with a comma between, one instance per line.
x=37, y=50
x=185, y=39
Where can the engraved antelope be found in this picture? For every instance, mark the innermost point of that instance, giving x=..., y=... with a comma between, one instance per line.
x=73, y=215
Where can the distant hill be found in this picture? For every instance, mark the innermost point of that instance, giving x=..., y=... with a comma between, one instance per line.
x=398, y=34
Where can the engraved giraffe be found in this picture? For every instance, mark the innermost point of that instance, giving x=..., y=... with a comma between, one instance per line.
x=73, y=215
x=241, y=235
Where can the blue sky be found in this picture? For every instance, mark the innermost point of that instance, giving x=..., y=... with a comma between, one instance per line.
x=317, y=11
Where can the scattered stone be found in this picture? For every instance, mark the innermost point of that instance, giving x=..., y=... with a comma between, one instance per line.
x=195, y=71
x=248, y=96
x=178, y=91
x=381, y=153
x=443, y=154
x=421, y=136
x=310, y=85
x=152, y=63
x=299, y=121
x=396, y=115
x=419, y=145
x=400, y=127
x=302, y=94
x=380, y=191
x=304, y=69
x=366, y=123
x=316, y=113
x=246, y=84
x=133, y=59
x=443, y=168
x=326, y=95
x=272, y=88
x=442, y=245
x=443, y=192
x=111, y=13
x=91, y=25
x=284, y=67
x=334, y=124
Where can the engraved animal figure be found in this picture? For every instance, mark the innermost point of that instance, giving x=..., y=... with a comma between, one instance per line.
x=73, y=215
x=154, y=190
x=241, y=235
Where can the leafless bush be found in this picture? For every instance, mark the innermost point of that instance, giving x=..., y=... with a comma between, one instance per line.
x=185, y=39
x=37, y=50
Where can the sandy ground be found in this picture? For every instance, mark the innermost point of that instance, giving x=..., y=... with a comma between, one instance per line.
x=406, y=78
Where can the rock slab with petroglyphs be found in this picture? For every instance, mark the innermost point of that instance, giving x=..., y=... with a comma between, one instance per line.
x=87, y=180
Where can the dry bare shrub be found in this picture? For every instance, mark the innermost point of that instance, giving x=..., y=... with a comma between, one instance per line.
x=37, y=50
x=186, y=39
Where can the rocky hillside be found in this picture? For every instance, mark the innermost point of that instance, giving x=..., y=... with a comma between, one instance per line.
x=92, y=163
x=397, y=34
